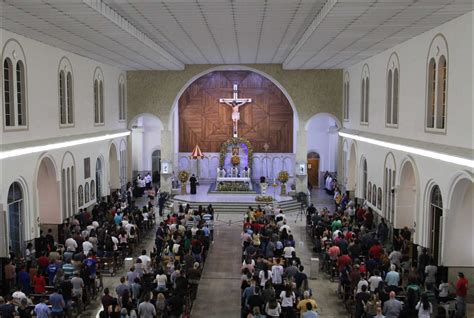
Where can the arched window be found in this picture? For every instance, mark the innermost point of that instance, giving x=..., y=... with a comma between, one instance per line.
x=92, y=190
x=436, y=214
x=388, y=198
x=346, y=97
x=391, y=110
x=379, y=198
x=86, y=192
x=369, y=191
x=364, y=103
x=98, y=97
x=364, y=178
x=121, y=98
x=15, y=208
x=437, y=81
x=14, y=86
x=80, y=196
x=66, y=107
x=123, y=164
x=8, y=92
x=374, y=195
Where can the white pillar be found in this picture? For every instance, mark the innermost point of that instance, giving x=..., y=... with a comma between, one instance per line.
x=301, y=182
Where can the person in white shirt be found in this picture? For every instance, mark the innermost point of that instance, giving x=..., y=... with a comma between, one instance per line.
x=374, y=281
x=70, y=244
x=361, y=283
x=288, y=250
x=277, y=273
x=285, y=226
x=161, y=281
x=264, y=275
x=424, y=307
x=146, y=260
x=87, y=247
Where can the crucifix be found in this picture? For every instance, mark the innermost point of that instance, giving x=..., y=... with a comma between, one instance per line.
x=235, y=102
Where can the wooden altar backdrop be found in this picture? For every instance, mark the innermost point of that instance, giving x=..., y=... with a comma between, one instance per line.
x=206, y=122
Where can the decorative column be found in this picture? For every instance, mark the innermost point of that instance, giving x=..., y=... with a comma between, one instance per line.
x=167, y=155
x=301, y=182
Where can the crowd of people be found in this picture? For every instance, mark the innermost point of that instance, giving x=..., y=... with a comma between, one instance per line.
x=274, y=282
x=378, y=277
x=62, y=273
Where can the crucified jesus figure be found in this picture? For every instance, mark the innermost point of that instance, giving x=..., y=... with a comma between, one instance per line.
x=235, y=102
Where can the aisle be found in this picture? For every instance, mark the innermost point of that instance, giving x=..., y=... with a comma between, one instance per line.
x=219, y=288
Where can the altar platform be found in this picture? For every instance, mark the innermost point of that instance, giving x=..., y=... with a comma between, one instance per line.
x=234, y=203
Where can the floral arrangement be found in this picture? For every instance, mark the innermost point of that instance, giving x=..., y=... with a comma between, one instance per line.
x=264, y=198
x=183, y=176
x=232, y=186
x=235, y=160
x=235, y=141
x=283, y=176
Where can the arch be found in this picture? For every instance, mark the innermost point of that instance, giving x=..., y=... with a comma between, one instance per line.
x=13, y=53
x=99, y=177
x=16, y=206
x=351, y=184
x=68, y=184
x=98, y=86
x=65, y=92
x=48, y=194
x=458, y=223
x=322, y=136
x=235, y=68
x=364, y=111
x=114, y=177
x=389, y=176
x=406, y=195
x=437, y=70
x=122, y=100
x=145, y=138
x=431, y=229
x=363, y=177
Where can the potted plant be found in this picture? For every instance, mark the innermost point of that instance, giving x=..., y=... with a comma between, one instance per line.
x=283, y=177
x=183, y=177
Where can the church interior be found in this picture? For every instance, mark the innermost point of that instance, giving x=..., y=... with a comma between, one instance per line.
x=239, y=158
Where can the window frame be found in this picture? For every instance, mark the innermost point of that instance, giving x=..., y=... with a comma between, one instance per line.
x=13, y=51
x=98, y=98
x=122, y=99
x=346, y=90
x=393, y=68
x=66, y=100
x=438, y=49
x=365, y=96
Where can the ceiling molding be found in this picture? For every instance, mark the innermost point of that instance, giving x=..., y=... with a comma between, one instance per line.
x=310, y=30
x=108, y=13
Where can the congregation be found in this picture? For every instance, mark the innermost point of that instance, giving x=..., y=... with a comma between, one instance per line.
x=61, y=277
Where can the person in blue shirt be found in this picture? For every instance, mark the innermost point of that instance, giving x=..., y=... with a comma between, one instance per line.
x=57, y=303
x=24, y=281
x=310, y=313
x=51, y=270
x=42, y=310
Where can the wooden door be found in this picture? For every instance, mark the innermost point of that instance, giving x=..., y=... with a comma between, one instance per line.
x=313, y=172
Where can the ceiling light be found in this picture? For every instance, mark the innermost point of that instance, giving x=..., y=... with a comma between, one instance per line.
x=417, y=151
x=29, y=150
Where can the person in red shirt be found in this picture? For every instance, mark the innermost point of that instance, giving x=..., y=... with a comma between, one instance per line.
x=334, y=251
x=39, y=283
x=43, y=261
x=376, y=250
x=461, y=293
x=343, y=261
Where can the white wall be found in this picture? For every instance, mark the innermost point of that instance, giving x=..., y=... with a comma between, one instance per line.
x=42, y=63
x=322, y=141
x=146, y=138
x=412, y=56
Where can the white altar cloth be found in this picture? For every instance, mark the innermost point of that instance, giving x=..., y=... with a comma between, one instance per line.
x=235, y=179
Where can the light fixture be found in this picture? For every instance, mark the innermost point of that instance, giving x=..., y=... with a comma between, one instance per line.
x=417, y=151
x=29, y=150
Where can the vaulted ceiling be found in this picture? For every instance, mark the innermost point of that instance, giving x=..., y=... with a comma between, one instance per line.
x=167, y=34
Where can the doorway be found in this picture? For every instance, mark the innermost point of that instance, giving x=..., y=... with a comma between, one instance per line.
x=156, y=166
x=313, y=169
x=436, y=212
x=15, y=218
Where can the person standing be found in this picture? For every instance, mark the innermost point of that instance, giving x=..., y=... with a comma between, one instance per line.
x=42, y=310
x=461, y=293
x=57, y=304
x=193, y=182
x=392, y=307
